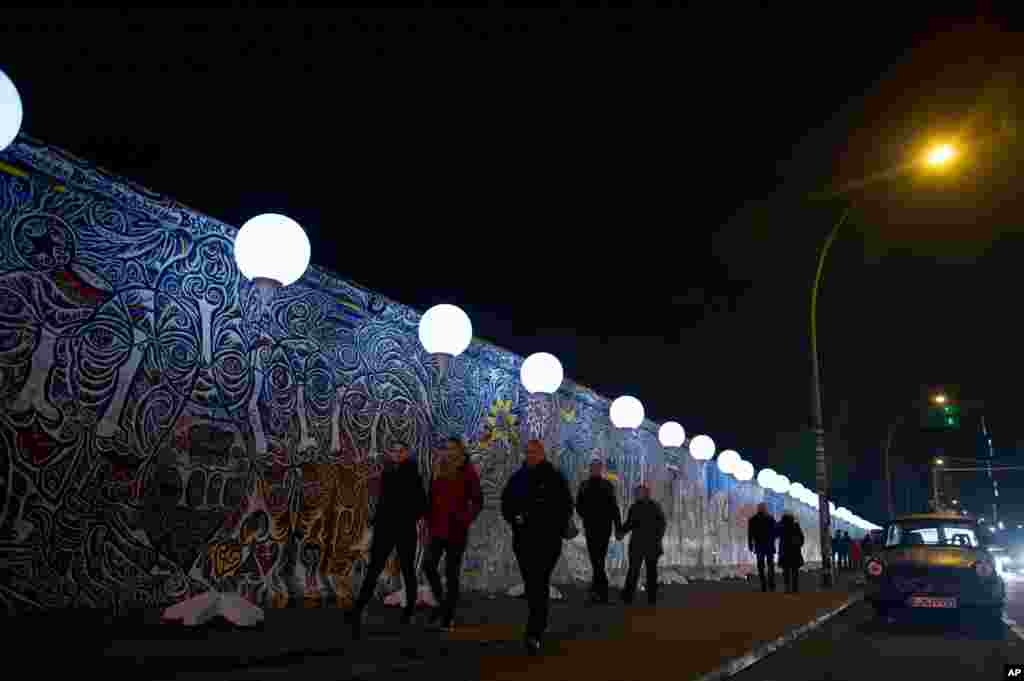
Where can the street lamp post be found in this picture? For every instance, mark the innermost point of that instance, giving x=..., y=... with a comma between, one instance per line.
x=271, y=251
x=541, y=374
x=936, y=158
x=445, y=332
x=821, y=463
x=627, y=413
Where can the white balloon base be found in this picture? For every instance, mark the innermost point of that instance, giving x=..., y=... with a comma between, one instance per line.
x=204, y=607
x=424, y=597
x=518, y=590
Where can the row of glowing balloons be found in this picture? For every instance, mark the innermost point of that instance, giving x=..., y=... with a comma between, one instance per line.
x=447, y=330
x=702, y=448
x=275, y=247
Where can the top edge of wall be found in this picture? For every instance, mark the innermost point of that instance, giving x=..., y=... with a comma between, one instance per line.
x=83, y=175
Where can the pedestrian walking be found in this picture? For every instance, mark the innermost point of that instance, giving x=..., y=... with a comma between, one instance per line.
x=455, y=502
x=598, y=507
x=855, y=554
x=791, y=559
x=867, y=547
x=538, y=505
x=761, y=537
x=837, y=550
x=401, y=506
x=646, y=521
x=844, y=551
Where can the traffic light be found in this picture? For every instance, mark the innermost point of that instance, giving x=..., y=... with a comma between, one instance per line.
x=943, y=417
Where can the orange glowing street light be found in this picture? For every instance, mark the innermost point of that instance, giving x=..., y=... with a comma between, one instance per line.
x=940, y=155
x=940, y=399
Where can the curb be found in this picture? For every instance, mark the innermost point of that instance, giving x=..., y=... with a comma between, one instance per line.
x=739, y=664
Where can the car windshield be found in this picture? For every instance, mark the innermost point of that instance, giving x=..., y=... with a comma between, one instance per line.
x=931, y=533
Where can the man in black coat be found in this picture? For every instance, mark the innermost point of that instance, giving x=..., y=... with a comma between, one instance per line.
x=761, y=535
x=401, y=505
x=537, y=504
x=647, y=522
x=598, y=507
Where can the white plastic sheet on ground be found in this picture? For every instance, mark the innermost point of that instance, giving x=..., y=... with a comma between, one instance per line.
x=204, y=607
x=424, y=596
x=519, y=589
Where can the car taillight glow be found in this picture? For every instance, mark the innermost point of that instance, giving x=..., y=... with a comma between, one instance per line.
x=984, y=568
x=874, y=568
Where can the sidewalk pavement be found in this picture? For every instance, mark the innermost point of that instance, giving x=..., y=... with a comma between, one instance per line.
x=694, y=629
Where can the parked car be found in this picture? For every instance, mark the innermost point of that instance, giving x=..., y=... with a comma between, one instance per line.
x=934, y=561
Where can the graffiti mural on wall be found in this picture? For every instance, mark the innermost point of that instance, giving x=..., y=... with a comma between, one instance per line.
x=165, y=430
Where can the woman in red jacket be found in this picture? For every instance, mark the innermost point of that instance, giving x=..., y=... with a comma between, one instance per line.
x=455, y=502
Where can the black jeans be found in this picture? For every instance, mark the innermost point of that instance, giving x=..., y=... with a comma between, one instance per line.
x=766, y=570
x=597, y=547
x=791, y=578
x=385, y=539
x=650, y=560
x=452, y=572
x=537, y=558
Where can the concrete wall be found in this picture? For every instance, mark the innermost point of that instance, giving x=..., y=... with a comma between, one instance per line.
x=163, y=430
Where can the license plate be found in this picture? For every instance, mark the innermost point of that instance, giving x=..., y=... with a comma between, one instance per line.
x=932, y=602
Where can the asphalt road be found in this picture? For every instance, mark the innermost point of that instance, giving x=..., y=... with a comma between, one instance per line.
x=857, y=646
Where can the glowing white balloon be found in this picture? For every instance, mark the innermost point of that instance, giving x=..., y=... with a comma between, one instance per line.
x=445, y=330
x=766, y=478
x=781, y=484
x=796, y=490
x=11, y=111
x=273, y=247
x=671, y=434
x=541, y=373
x=728, y=460
x=744, y=471
x=626, y=412
x=702, y=448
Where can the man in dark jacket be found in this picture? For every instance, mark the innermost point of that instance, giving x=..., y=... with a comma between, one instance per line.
x=597, y=505
x=761, y=536
x=537, y=504
x=647, y=522
x=401, y=505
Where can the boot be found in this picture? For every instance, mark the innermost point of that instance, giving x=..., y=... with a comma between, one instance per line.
x=355, y=618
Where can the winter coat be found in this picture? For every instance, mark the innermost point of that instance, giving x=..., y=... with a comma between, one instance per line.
x=598, y=506
x=541, y=498
x=761, y=534
x=647, y=522
x=791, y=543
x=402, y=497
x=454, y=504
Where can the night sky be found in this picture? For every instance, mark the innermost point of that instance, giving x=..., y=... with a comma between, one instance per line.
x=631, y=191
